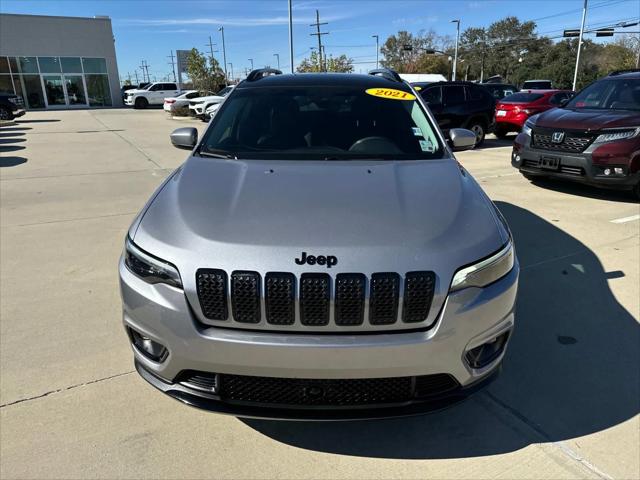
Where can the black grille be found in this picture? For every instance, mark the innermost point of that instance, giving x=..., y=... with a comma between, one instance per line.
x=418, y=294
x=572, y=142
x=318, y=392
x=383, y=298
x=280, y=298
x=314, y=298
x=349, y=298
x=245, y=296
x=286, y=391
x=212, y=293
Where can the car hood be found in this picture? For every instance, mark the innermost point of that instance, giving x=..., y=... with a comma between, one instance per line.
x=373, y=216
x=586, y=119
x=210, y=98
x=135, y=90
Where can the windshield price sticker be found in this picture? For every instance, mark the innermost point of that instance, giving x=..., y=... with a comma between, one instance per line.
x=390, y=93
x=417, y=132
x=427, y=146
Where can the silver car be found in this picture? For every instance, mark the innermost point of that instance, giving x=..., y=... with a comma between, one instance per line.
x=321, y=254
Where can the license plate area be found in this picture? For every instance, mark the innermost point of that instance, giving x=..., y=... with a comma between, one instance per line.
x=501, y=113
x=549, y=162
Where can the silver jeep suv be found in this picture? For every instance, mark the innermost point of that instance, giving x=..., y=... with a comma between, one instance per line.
x=321, y=254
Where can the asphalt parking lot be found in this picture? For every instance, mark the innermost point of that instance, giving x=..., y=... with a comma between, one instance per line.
x=71, y=406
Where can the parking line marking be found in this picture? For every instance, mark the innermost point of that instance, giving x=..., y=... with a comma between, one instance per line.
x=626, y=219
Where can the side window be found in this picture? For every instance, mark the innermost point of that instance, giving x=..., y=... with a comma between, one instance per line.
x=170, y=86
x=193, y=94
x=474, y=93
x=432, y=95
x=156, y=87
x=453, y=95
x=556, y=98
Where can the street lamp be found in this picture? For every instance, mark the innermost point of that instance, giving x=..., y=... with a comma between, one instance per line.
x=251, y=60
x=277, y=55
x=455, y=56
x=377, y=48
x=224, y=56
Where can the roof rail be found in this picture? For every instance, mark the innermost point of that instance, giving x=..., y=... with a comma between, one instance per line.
x=620, y=72
x=387, y=73
x=259, y=73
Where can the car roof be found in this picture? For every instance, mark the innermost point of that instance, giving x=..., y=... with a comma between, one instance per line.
x=323, y=79
x=622, y=75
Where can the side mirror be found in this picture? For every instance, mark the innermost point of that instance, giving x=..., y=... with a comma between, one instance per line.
x=462, y=139
x=184, y=138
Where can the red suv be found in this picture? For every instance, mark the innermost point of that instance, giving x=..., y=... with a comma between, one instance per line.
x=594, y=138
x=513, y=111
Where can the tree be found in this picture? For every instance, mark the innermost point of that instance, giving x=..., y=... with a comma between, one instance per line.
x=341, y=64
x=414, y=60
x=204, y=74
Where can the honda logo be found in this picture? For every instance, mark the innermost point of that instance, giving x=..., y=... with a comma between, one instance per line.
x=557, y=137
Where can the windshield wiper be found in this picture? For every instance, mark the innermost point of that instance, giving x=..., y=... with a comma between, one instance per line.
x=218, y=154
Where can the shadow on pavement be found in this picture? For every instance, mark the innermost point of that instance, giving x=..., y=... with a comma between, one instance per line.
x=10, y=148
x=581, y=190
x=5, y=141
x=12, y=161
x=38, y=121
x=496, y=143
x=571, y=369
x=14, y=129
x=10, y=134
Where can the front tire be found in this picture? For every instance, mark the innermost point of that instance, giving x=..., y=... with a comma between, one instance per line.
x=479, y=128
x=5, y=114
x=636, y=191
x=141, y=103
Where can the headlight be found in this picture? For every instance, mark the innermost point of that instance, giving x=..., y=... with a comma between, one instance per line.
x=618, y=135
x=486, y=271
x=526, y=129
x=149, y=268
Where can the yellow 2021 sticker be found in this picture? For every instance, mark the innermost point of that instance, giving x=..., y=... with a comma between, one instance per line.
x=390, y=93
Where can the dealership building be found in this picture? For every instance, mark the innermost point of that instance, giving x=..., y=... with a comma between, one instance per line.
x=59, y=62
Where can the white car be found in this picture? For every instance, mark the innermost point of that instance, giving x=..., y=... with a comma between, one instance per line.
x=210, y=111
x=153, y=94
x=172, y=104
x=198, y=106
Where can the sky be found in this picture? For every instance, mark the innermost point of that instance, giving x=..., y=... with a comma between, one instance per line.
x=257, y=29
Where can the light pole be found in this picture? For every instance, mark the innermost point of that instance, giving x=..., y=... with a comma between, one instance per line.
x=277, y=55
x=290, y=36
x=251, y=60
x=224, y=57
x=377, y=48
x=455, y=55
x=231, y=67
x=584, y=16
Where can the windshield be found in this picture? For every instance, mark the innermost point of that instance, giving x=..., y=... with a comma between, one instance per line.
x=224, y=91
x=537, y=84
x=321, y=122
x=609, y=95
x=522, y=98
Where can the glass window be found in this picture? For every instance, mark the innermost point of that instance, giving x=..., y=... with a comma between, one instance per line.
x=475, y=93
x=18, y=86
x=454, y=95
x=53, y=89
x=432, y=95
x=28, y=64
x=75, y=89
x=523, y=97
x=4, y=65
x=71, y=65
x=49, y=64
x=620, y=94
x=98, y=90
x=6, y=85
x=33, y=91
x=13, y=65
x=94, y=65
x=320, y=122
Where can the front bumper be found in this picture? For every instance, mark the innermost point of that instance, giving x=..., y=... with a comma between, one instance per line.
x=574, y=167
x=129, y=101
x=18, y=113
x=469, y=318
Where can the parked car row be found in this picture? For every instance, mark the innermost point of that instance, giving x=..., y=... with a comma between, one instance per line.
x=11, y=106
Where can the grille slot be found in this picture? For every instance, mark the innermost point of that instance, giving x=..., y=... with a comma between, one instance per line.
x=418, y=294
x=211, y=285
x=307, y=392
x=383, y=298
x=312, y=392
x=349, y=299
x=571, y=170
x=570, y=143
x=314, y=299
x=245, y=296
x=280, y=298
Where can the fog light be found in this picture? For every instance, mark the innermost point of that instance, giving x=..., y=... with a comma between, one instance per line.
x=618, y=171
x=486, y=353
x=150, y=349
x=607, y=171
x=518, y=158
